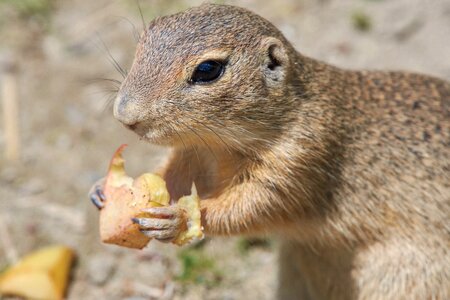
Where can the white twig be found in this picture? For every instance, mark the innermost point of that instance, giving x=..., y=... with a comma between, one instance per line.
x=6, y=241
x=149, y=291
x=169, y=290
x=165, y=293
x=10, y=100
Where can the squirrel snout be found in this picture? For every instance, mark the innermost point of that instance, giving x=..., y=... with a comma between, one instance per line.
x=126, y=110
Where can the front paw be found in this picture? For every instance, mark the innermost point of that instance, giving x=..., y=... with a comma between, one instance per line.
x=165, y=224
x=96, y=194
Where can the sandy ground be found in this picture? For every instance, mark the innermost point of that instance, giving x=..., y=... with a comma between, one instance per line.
x=68, y=133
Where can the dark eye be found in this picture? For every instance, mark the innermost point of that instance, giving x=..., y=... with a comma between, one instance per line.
x=207, y=71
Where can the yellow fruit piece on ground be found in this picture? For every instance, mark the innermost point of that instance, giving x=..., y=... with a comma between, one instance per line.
x=40, y=275
x=191, y=204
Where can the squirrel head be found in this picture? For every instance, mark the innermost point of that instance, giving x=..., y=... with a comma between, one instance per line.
x=210, y=74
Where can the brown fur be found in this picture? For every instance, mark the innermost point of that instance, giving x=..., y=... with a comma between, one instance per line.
x=349, y=168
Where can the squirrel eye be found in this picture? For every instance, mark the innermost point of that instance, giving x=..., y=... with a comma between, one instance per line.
x=207, y=71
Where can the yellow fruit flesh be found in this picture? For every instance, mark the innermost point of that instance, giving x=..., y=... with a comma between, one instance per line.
x=191, y=204
x=153, y=187
x=40, y=275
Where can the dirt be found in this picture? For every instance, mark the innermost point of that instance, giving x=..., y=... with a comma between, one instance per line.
x=68, y=133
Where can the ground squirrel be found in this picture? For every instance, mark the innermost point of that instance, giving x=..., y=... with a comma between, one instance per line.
x=350, y=169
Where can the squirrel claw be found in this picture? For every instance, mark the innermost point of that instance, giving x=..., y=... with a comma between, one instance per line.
x=164, y=236
x=165, y=224
x=96, y=194
x=100, y=194
x=96, y=200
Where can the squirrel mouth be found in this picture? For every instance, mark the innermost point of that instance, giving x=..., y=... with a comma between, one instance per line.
x=163, y=135
x=138, y=128
x=149, y=134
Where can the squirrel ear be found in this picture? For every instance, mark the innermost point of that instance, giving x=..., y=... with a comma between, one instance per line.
x=275, y=59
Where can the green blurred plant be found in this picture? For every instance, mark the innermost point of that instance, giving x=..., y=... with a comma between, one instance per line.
x=3, y=267
x=198, y=268
x=361, y=21
x=31, y=8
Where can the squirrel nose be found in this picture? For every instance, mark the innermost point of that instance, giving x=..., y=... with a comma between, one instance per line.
x=126, y=110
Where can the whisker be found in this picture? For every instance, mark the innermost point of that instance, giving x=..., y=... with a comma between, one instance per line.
x=108, y=90
x=105, y=91
x=196, y=153
x=144, y=26
x=201, y=138
x=228, y=147
x=135, y=32
x=236, y=142
x=109, y=101
x=97, y=80
x=180, y=138
x=194, y=147
x=214, y=132
x=111, y=58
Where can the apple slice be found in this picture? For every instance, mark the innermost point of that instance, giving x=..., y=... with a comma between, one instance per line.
x=125, y=199
x=41, y=275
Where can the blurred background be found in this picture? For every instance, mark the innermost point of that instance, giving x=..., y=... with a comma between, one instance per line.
x=56, y=53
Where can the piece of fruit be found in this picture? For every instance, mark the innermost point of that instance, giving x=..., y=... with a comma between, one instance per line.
x=42, y=275
x=191, y=204
x=125, y=199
